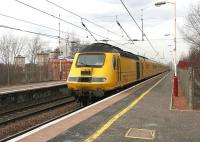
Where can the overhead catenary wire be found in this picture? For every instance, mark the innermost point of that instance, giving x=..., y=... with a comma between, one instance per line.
x=124, y=31
x=139, y=28
x=32, y=32
x=118, y=23
x=83, y=18
x=25, y=21
x=61, y=19
x=35, y=24
x=150, y=39
x=88, y=31
x=27, y=31
x=55, y=17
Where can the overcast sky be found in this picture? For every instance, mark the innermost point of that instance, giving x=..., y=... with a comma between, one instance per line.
x=158, y=21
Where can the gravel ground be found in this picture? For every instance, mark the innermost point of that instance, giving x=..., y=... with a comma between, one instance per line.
x=31, y=121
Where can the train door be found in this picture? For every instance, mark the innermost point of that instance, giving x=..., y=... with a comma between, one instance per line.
x=115, y=67
x=137, y=70
x=142, y=68
x=118, y=69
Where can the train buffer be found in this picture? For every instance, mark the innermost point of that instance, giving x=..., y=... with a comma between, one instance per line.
x=141, y=114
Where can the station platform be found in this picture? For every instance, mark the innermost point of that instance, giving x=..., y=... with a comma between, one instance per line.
x=143, y=115
x=30, y=86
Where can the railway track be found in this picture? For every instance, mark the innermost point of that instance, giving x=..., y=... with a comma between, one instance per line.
x=38, y=125
x=14, y=115
x=25, y=115
x=18, y=115
x=33, y=111
x=28, y=106
x=69, y=99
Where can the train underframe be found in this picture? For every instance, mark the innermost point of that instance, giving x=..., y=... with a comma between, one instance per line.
x=85, y=97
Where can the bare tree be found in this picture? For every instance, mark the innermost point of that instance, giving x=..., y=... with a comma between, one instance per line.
x=191, y=30
x=194, y=57
x=10, y=47
x=75, y=45
x=71, y=44
x=34, y=47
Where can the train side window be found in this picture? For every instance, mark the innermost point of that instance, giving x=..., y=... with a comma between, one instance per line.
x=114, y=62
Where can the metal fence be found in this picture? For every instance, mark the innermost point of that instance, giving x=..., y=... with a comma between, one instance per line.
x=196, y=88
x=189, y=79
x=33, y=73
x=11, y=75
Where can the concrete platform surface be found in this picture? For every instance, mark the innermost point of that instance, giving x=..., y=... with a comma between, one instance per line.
x=152, y=112
x=30, y=86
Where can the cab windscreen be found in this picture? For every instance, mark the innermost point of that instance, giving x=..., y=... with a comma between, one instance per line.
x=90, y=60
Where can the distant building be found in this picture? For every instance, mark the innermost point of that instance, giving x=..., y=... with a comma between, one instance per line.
x=53, y=55
x=54, y=69
x=42, y=58
x=20, y=61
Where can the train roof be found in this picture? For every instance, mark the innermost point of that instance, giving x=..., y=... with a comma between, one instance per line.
x=100, y=47
x=103, y=47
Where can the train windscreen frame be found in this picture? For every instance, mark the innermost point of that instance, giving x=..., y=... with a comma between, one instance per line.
x=90, y=60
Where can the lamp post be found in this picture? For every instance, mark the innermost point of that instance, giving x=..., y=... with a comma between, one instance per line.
x=175, y=69
x=59, y=41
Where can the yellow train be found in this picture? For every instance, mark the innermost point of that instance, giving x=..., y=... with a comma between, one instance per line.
x=102, y=67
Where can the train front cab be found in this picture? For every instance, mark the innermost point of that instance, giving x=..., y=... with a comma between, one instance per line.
x=92, y=74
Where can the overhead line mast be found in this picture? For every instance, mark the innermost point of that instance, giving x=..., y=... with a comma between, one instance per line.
x=142, y=20
x=139, y=28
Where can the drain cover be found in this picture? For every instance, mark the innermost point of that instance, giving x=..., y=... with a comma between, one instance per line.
x=140, y=133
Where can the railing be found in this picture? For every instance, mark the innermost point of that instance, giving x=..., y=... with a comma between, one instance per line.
x=196, y=88
x=11, y=74
x=189, y=79
x=32, y=73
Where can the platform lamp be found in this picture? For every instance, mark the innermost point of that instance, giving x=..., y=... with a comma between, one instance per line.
x=175, y=90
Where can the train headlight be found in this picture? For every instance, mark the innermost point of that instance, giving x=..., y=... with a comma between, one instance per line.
x=99, y=79
x=72, y=79
x=86, y=79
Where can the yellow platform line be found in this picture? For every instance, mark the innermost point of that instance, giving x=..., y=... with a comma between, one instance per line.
x=100, y=131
